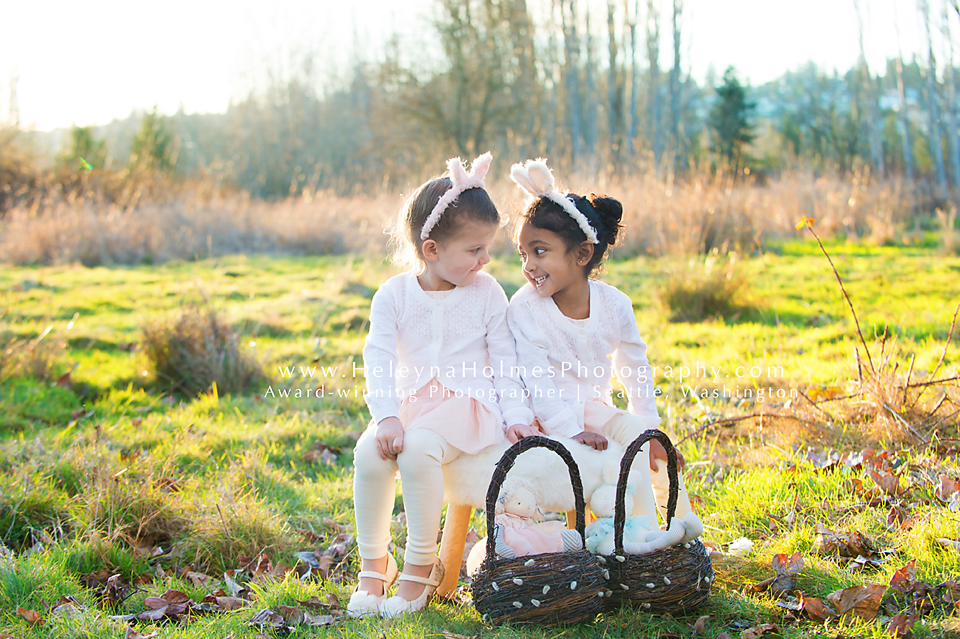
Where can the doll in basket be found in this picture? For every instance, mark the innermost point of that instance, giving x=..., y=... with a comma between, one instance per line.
x=518, y=529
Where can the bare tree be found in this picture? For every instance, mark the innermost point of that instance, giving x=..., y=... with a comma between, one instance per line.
x=675, y=114
x=936, y=147
x=589, y=99
x=572, y=68
x=952, y=136
x=653, y=58
x=614, y=88
x=632, y=113
x=901, y=93
x=876, y=146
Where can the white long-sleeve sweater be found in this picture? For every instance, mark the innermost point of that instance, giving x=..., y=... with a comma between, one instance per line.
x=566, y=364
x=461, y=339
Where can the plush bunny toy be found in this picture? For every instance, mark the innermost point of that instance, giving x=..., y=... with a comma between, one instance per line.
x=641, y=535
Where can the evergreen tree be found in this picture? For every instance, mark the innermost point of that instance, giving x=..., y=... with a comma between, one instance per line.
x=83, y=152
x=730, y=120
x=153, y=147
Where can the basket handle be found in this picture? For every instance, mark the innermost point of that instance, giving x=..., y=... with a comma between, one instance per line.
x=620, y=515
x=506, y=463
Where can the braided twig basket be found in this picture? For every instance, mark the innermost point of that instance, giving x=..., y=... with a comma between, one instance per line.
x=560, y=587
x=674, y=579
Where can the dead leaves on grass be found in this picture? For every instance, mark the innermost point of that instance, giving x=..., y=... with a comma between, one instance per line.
x=289, y=617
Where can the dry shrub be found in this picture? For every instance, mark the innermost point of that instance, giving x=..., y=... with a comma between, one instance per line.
x=220, y=535
x=946, y=220
x=197, y=350
x=702, y=288
x=41, y=358
x=132, y=508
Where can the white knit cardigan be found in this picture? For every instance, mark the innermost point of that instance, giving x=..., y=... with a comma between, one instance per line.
x=564, y=364
x=461, y=339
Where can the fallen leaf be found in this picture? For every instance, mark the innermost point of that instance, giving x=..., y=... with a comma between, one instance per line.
x=818, y=611
x=905, y=579
x=787, y=568
x=230, y=603
x=318, y=620
x=155, y=603
x=233, y=588
x=947, y=488
x=291, y=616
x=31, y=616
x=314, y=603
x=858, y=601
x=134, y=634
x=175, y=597
x=700, y=626
x=67, y=610
x=723, y=635
x=198, y=579
x=901, y=625
x=793, y=604
x=889, y=483
x=757, y=631
x=897, y=516
x=949, y=543
x=154, y=614
x=853, y=544
x=267, y=617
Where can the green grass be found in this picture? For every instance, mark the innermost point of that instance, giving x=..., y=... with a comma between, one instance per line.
x=214, y=477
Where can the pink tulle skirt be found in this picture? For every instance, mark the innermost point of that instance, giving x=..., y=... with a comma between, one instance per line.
x=463, y=422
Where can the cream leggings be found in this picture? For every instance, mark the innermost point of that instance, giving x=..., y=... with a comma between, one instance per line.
x=652, y=489
x=374, y=490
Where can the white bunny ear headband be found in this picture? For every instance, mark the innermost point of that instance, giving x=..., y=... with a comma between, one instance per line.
x=534, y=177
x=462, y=180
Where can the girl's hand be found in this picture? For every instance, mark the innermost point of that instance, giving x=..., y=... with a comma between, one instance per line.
x=389, y=438
x=518, y=431
x=595, y=441
x=657, y=451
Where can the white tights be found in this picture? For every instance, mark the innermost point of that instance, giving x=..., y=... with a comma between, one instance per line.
x=374, y=490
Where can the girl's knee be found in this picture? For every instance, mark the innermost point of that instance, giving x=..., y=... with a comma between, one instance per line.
x=421, y=447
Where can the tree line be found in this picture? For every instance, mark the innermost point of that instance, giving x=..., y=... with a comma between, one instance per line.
x=583, y=84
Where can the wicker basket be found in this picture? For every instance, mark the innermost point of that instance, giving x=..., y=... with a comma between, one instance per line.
x=672, y=580
x=560, y=587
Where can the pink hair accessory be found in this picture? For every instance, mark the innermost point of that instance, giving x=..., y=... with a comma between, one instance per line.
x=534, y=177
x=462, y=180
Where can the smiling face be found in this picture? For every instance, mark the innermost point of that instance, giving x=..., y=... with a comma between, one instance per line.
x=456, y=260
x=548, y=263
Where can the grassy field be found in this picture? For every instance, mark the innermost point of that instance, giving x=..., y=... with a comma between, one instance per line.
x=103, y=469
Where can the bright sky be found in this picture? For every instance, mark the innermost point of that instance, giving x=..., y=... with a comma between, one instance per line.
x=89, y=62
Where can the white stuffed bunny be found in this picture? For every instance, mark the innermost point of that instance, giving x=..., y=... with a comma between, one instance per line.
x=641, y=535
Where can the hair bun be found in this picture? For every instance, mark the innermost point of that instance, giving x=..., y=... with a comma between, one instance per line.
x=610, y=212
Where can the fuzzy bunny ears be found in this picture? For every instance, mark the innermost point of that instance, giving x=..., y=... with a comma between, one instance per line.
x=462, y=180
x=534, y=177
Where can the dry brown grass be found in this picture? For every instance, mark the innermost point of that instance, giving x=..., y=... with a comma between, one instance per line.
x=153, y=224
x=191, y=226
